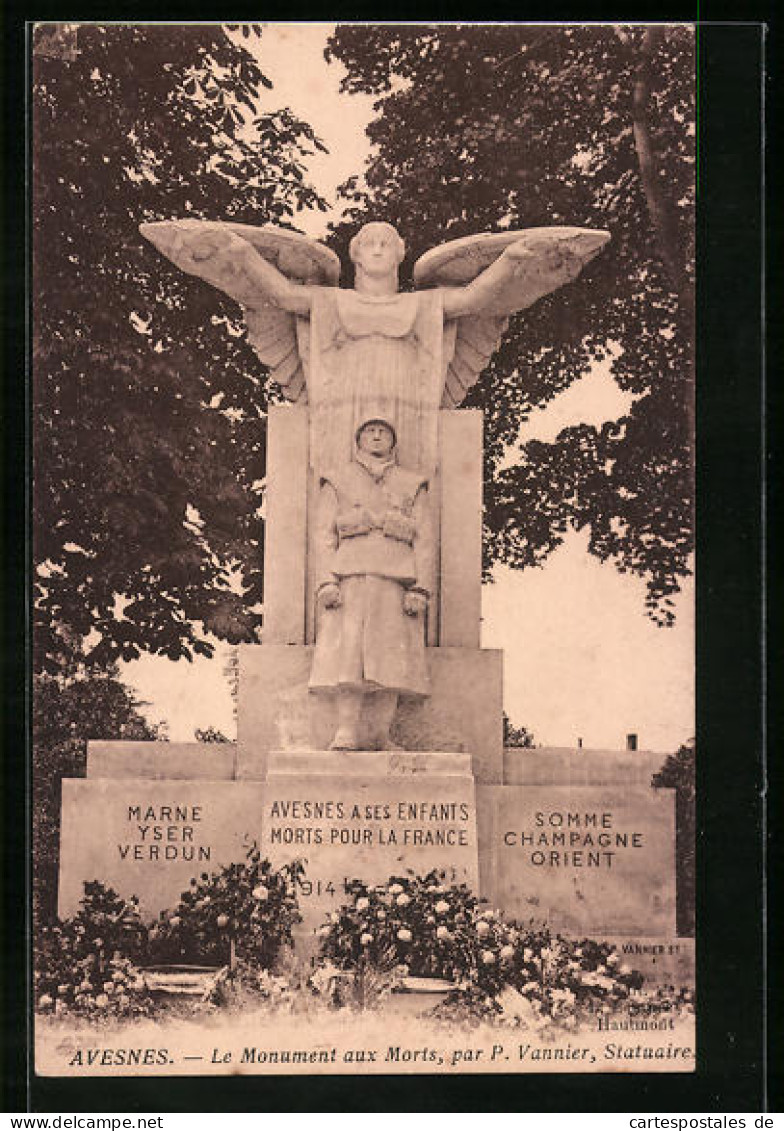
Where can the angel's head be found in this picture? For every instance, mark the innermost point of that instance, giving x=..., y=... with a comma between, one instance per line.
x=377, y=250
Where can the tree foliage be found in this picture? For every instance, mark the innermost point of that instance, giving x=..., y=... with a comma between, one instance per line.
x=149, y=408
x=679, y=772
x=209, y=734
x=517, y=737
x=489, y=127
x=68, y=712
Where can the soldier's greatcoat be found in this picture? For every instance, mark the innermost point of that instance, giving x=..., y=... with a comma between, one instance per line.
x=374, y=540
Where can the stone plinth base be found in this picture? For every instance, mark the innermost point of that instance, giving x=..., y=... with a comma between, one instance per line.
x=278, y=712
x=185, y=761
x=368, y=816
x=587, y=860
x=582, y=843
x=567, y=766
x=148, y=837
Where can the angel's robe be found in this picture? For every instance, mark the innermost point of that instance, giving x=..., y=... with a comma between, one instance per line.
x=391, y=356
x=374, y=356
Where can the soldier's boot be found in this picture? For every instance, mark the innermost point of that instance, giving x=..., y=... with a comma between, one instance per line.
x=349, y=714
x=381, y=711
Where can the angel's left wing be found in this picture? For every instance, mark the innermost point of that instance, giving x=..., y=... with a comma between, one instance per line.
x=538, y=261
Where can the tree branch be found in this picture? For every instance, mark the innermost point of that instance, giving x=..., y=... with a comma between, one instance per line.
x=658, y=210
x=649, y=167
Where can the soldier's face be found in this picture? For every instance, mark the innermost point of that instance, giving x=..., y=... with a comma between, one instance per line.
x=376, y=439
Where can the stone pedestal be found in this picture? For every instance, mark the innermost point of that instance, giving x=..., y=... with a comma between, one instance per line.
x=368, y=816
x=463, y=714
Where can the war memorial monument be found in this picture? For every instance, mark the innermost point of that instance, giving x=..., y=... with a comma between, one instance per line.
x=370, y=736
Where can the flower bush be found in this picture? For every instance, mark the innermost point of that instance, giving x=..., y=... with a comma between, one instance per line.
x=250, y=905
x=242, y=914
x=417, y=922
x=522, y=974
x=431, y=928
x=87, y=964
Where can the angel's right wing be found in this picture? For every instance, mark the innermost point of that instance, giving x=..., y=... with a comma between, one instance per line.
x=278, y=340
x=210, y=251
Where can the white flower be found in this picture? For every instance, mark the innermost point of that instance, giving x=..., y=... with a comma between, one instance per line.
x=395, y=889
x=322, y=932
x=108, y=987
x=404, y=934
x=487, y=915
x=102, y=1000
x=514, y=1004
x=403, y=899
x=487, y=957
x=482, y=928
x=562, y=995
x=45, y=1001
x=507, y=952
x=363, y=904
x=527, y=954
x=381, y=915
x=441, y=907
x=625, y=969
x=260, y=892
x=612, y=959
x=366, y=938
x=442, y=933
x=334, y=917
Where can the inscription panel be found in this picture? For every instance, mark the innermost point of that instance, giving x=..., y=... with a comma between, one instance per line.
x=586, y=859
x=148, y=838
x=369, y=826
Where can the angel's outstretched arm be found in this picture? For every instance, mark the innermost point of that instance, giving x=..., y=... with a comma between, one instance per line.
x=516, y=260
x=228, y=262
x=270, y=283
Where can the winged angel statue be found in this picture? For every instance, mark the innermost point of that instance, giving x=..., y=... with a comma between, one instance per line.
x=351, y=352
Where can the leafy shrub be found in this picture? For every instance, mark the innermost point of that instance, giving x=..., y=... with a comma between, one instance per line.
x=250, y=905
x=86, y=964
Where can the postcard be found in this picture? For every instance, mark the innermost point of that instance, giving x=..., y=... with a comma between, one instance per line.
x=364, y=443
